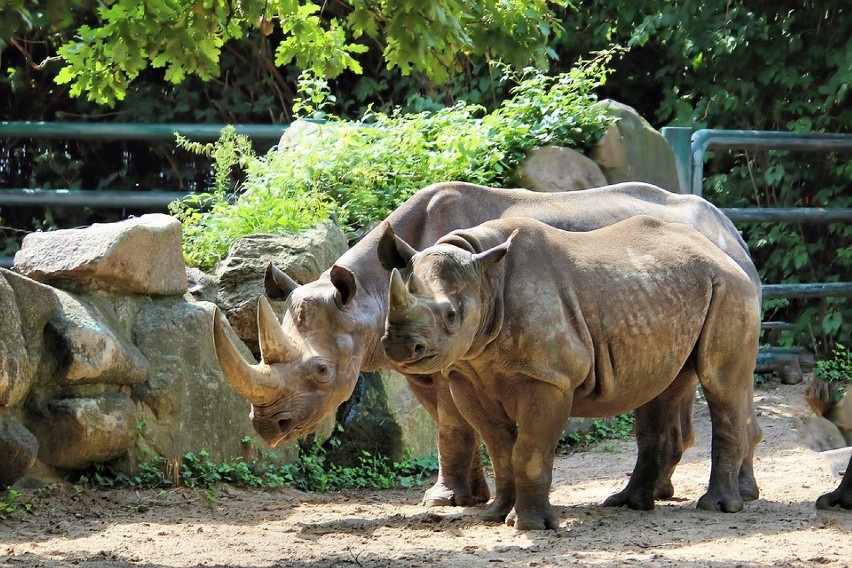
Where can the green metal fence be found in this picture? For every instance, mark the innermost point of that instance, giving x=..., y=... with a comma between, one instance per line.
x=113, y=198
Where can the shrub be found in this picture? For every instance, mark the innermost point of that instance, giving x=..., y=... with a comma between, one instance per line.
x=360, y=171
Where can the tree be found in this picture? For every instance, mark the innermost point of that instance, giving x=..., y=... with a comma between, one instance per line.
x=122, y=38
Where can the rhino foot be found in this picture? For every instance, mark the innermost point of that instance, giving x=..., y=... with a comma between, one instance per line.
x=720, y=502
x=498, y=511
x=630, y=499
x=547, y=521
x=439, y=495
x=664, y=489
x=835, y=499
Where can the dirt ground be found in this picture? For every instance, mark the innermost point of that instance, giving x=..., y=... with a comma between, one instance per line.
x=183, y=528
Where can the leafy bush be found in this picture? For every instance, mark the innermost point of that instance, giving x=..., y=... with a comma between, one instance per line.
x=362, y=170
x=616, y=428
x=837, y=369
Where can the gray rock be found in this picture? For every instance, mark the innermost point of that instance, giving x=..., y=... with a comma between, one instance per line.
x=551, y=168
x=303, y=257
x=203, y=287
x=632, y=150
x=383, y=417
x=19, y=449
x=187, y=405
x=94, y=350
x=25, y=307
x=820, y=434
x=841, y=416
x=136, y=256
x=74, y=433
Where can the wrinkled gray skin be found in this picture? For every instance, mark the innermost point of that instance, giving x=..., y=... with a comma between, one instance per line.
x=580, y=324
x=840, y=497
x=331, y=327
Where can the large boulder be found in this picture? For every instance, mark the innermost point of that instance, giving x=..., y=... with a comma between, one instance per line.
x=19, y=449
x=303, y=257
x=93, y=347
x=551, y=168
x=632, y=150
x=383, y=417
x=187, y=405
x=841, y=416
x=74, y=433
x=25, y=308
x=137, y=256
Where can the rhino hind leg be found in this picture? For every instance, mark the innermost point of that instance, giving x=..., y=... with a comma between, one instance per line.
x=840, y=497
x=461, y=479
x=664, y=430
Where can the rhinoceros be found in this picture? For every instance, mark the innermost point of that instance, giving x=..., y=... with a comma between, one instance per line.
x=532, y=325
x=332, y=326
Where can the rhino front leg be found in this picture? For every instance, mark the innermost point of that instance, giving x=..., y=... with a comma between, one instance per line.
x=664, y=430
x=461, y=479
x=542, y=413
x=499, y=437
x=842, y=496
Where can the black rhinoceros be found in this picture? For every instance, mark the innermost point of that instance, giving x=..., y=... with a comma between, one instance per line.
x=532, y=324
x=331, y=327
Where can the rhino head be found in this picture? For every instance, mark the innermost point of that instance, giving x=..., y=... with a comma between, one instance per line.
x=437, y=314
x=309, y=361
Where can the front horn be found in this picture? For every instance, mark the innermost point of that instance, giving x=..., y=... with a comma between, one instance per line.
x=254, y=382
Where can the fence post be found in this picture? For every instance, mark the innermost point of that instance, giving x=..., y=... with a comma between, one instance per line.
x=679, y=138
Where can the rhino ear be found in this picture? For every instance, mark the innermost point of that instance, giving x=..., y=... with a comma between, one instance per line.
x=344, y=283
x=277, y=284
x=393, y=251
x=492, y=256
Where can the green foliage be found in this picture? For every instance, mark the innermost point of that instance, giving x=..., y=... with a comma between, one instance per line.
x=120, y=40
x=310, y=472
x=837, y=369
x=362, y=170
x=616, y=428
x=14, y=503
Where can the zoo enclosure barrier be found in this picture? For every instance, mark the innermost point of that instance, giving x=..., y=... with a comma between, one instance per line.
x=690, y=146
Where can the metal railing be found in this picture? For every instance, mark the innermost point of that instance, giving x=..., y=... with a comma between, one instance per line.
x=689, y=147
x=114, y=198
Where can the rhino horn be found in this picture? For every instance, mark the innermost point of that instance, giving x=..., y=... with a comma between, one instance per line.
x=415, y=284
x=254, y=382
x=275, y=346
x=277, y=284
x=398, y=296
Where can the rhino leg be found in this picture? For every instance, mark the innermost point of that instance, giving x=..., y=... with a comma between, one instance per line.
x=499, y=437
x=725, y=356
x=461, y=479
x=842, y=496
x=542, y=413
x=664, y=430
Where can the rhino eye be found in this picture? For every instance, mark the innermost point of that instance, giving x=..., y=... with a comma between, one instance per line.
x=451, y=317
x=320, y=370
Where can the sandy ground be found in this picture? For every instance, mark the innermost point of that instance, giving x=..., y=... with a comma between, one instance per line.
x=389, y=528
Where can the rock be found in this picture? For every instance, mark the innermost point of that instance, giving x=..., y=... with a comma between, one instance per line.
x=299, y=132
x=137, y=256
x=19, y=449
x=383, y=417
x=551, y=168
x=25, y=307
x=632, y=150
x=74, y=433
x=820, y=434
x=93, y=350
x=303, y=257
x=187, y=405
x=202, y=286
x=841, y=416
